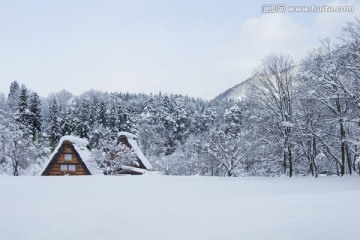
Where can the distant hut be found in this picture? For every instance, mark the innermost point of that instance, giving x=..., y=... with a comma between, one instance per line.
x=141, y=165
x=70, y=157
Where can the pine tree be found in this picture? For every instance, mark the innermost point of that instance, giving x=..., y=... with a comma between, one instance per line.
x=23, y=99
x=36, y=116
x=112, y=121
x=23, y=114
x=67, y=122
x=84, y=117
x=102, y=114
x=93, y=114
x=13, y=96
x=233, y=120
x=129, y=122
x=54, y=127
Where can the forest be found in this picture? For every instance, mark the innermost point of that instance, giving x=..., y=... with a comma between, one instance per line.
x=298, y=119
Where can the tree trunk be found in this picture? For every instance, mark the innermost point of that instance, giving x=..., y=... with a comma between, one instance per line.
x=284, y=162
x=337, y=168
x=343, y=149
x=290, y=161
x=287, y=152
x=15, y=169
x=348, y=157
x=313, y=155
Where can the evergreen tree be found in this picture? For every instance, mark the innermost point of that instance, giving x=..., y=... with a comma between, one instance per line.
x=67, y=121
x=102, y=114
x=35, y=114
x=54, y=126
x=112, y=121
x=94, y=110
x=23, y=114
x=233, y=120
x=23, y=99
x=13, y=96
x=129, y=122
x=85, y=116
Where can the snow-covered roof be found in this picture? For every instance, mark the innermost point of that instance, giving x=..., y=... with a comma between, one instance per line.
x=140, y=170
x=132, y=141
x=135, y=169
x=127, y=135
x=80, y=145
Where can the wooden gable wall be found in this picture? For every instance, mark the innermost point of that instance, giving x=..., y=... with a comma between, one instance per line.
x=58, y=162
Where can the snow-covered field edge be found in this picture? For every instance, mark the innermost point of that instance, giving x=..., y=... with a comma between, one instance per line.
x=168, y=207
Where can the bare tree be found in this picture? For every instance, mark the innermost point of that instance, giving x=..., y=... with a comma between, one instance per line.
x=228, y=151
x=329, y=86
x=275, y=99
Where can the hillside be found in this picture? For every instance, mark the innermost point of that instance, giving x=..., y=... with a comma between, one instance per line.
x=239, y=91
x=244, y=89
x=161, y=207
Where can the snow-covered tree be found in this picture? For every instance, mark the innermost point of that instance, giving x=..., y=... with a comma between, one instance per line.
x=18, y=150
x=111, y=156
x=275, y=100
x=102, y=114
x=23, y=114
x=35, y=116
x=227, y=151
x=324, y=76
x=54, y=123
x=13, y=96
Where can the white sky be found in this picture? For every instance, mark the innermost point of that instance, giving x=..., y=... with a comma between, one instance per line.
x=199, y=48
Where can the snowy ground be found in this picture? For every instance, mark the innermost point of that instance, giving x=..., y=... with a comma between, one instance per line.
x=159, y=207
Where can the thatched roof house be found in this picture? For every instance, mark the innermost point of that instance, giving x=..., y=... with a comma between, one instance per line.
x=142, y=164
x=71, y=157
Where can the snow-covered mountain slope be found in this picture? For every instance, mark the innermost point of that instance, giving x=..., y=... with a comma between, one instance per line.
x=164, y=207
x=244, y=89
x=239, y=91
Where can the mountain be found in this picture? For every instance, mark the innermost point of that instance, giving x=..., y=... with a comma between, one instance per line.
x=245, y=88
x=239, y=91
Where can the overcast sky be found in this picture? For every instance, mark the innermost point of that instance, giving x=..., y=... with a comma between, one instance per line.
x=198, y=48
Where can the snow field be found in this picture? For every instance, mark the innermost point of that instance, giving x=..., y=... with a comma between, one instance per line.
x=162, y=207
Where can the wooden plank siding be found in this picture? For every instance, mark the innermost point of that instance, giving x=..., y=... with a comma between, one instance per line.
x=54, y=167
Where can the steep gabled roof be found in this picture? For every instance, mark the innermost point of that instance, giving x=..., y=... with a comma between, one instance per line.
x=79, y=146
x=131, y=142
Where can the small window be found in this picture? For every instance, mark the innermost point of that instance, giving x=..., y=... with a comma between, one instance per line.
x=67, y=167
x=63, y=167
x=68, y=157
x=71, y=167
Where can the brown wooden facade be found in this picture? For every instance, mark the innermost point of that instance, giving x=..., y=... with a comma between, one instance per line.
x=66, y=161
